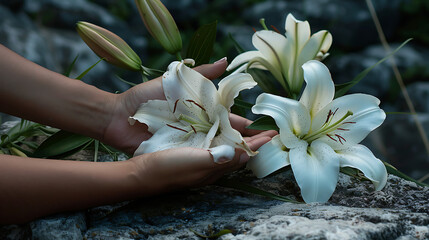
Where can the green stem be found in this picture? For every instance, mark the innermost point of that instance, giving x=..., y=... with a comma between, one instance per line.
x=179, y=56
x=262, y=22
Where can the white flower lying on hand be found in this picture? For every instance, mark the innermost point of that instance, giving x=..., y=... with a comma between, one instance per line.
x=195, y=114
x=319, y=135
x=284, y=56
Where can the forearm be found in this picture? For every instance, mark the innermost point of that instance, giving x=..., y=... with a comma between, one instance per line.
x=32, y=92
x=32, y=188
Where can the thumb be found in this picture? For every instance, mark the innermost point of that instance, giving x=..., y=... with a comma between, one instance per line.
x=213, y=71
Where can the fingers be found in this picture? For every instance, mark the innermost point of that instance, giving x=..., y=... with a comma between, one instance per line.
x=268, y=133
x=240, y=124
x=213, y=71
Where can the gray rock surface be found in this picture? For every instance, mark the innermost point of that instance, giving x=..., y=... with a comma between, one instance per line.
x=355, y=211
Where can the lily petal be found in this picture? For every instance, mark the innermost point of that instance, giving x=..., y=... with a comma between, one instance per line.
x=230, y=87
x=271, y=157
x=168, y=137
x=257, y=62
x=319, y=42
x=297, y=31
x=361, y=157
x=291, y=116
x=154, y=113
x=366, y=117
x=320, y=89
x=243, y=58
x=184, y=83
x=316, y=171
x=228, y=135
x=270, y=44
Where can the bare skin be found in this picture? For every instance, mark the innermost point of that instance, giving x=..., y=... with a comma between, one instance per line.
x=31, y=188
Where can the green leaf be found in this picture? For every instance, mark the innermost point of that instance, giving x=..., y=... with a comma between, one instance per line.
x=125, y=81
x=87, y=70
x=242, y=104
x=341, y=89
x=70, y=67
x=213, y=236
x=264, y=123
x=250, y=189
x=154, y=73
x=236, y=44
x=400, y=113
x=61, y=144
x=392, y=170
x=353, y=172
x=201, y=45
x=21, y=131
x=265, y=81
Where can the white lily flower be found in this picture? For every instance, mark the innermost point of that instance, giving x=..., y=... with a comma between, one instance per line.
x=195, y=114
x=319, y=135
x=284, y=56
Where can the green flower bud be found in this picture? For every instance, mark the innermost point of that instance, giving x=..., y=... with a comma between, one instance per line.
x=160, y=24
x=109, y=46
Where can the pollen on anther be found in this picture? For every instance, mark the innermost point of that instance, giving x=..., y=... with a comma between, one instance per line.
x=275, y=29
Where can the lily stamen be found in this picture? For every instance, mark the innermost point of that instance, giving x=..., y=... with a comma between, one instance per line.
x=340, y=138
x=176, y=128
x=331, y=137
x=274, y=28
x=175, y=105
x=192, y=101
x=328, y=128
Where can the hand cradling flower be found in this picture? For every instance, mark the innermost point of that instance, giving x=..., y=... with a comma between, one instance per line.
x=194, y=114
x=319, y=135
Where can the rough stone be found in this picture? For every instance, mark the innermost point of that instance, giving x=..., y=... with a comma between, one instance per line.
x=67, y=227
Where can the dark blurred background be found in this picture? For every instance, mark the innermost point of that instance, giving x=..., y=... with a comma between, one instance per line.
x=43, y=31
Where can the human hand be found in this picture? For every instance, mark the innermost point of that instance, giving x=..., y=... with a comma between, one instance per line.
x=180, y=168
x=120, y=134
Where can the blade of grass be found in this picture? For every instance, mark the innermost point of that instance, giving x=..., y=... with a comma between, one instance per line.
x=87, y=70
x=250, y=189
x=341, y=89
x=398, y=76
x=213, y=236
x=70, y=67
x=392, y=170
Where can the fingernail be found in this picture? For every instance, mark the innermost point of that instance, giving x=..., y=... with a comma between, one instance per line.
x=223, y=160
x=244, y=158
x=221, y=60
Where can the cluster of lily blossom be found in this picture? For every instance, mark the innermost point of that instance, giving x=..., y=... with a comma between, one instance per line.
x=318, y=134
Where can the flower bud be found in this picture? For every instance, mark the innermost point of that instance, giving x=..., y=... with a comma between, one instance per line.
x=160, y=24
x=109, y=46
